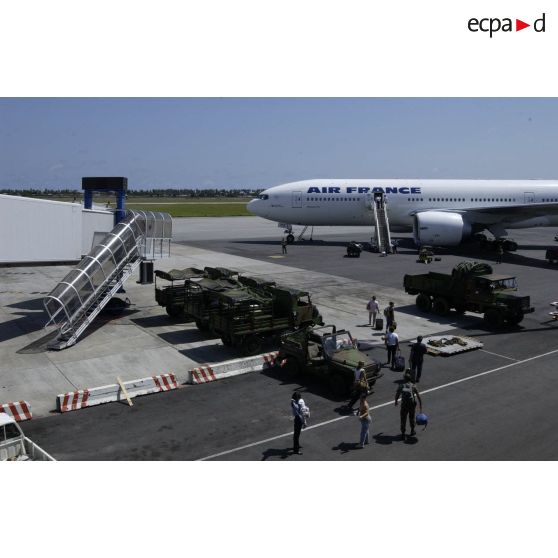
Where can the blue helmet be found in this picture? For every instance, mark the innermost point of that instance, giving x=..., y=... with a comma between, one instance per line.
x=422, y=419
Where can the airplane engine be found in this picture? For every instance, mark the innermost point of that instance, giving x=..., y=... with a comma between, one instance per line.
x=440, y=228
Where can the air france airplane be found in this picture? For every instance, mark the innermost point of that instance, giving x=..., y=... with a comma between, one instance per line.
x=439, y=212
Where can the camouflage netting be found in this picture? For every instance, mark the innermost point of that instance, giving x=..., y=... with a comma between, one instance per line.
x=472, y=268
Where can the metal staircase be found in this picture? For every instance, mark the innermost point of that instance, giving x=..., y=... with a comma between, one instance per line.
x=382, y=236
x=75, y=302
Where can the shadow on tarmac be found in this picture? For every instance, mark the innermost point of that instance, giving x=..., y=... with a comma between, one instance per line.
x=304, y=384
x=31, y=304
x=283, y=453
x=156, y=321
x=346, y=447
x=387, y=439
x=28, y=322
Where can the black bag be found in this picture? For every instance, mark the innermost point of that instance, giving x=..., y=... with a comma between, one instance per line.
x=379, y=324
x=399, y=365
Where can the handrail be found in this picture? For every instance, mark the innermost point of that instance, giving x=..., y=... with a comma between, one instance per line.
x=101, y=267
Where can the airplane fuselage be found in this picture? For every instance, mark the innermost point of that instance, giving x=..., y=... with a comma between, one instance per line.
x=347, y=202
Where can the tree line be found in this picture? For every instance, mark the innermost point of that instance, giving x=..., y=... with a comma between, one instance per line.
x=153, y=193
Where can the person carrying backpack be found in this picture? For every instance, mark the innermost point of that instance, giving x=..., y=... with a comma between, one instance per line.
x=409, y=396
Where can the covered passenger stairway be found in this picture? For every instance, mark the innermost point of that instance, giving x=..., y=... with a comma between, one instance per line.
x=75, y=302
x=382, y=238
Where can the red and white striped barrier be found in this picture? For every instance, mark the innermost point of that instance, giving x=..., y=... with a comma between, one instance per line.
x=202, y=375
x=19, y=410
x=165, y=382
x=74, y=400
x=106, y=394
x=211, y=373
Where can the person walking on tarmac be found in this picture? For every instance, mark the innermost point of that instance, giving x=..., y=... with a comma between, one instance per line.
x=373, y=308
x=409, y=395
x=365, y=420
x=283, y=245
x=392, y=346
x=298, y=413
x=360, y=385
x=418, y=350
x=389, y=313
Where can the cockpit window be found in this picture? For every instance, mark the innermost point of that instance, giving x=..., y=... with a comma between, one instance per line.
x=263, y=196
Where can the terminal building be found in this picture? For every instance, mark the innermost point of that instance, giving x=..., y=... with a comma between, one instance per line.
x=35, y=231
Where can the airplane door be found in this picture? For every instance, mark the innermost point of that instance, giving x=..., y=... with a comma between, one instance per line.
x=529, y=197
x=297, y=199
x=368, y=201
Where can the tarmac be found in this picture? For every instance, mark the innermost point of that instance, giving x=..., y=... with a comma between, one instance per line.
x=507, y=412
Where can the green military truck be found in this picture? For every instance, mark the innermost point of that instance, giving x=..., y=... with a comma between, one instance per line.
x=243, y=318
x=471, y=286
x=329, y=354
x=243, y=311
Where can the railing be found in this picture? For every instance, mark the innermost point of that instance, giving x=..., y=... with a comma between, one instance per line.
x=85, y=290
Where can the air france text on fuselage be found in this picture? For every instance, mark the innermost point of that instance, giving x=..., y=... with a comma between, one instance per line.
x=363, y=190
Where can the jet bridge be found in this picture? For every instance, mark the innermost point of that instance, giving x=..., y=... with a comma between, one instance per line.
x=378, y=204
x=75, y=302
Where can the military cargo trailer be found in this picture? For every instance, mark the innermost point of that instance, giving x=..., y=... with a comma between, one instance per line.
x=181, y=299
x=172, y=297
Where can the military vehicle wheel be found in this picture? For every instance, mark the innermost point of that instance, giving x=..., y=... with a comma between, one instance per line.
x=440, y=306
x=251, y=345
x=290, y=238
x=226, y=340
x=515, y=318
x=493, y=319
x=424, y=304
x=201, y=325
x=174, y=311
x=338, y=386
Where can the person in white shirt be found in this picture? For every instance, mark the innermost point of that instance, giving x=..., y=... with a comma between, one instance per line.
x=392, y=344
x=298, y=414
x=373, y=308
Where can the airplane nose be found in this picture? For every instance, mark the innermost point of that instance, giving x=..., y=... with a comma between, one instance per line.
x=253, y=206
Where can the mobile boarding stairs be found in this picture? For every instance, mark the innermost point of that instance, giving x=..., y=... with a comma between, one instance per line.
x=378, y=204
x=75, y=302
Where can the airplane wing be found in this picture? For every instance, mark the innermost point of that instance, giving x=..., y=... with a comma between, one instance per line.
x=508, y=214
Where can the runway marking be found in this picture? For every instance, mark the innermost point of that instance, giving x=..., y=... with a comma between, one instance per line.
x=498, y=355
x=337, y=419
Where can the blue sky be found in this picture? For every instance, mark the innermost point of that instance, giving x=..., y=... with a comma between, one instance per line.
x=234, y=143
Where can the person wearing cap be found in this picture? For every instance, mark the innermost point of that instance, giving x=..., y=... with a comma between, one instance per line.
x=418, y=350
x=409, y=396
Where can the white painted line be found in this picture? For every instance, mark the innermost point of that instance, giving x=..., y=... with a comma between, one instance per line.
x=337, y=419
x=498, y=355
